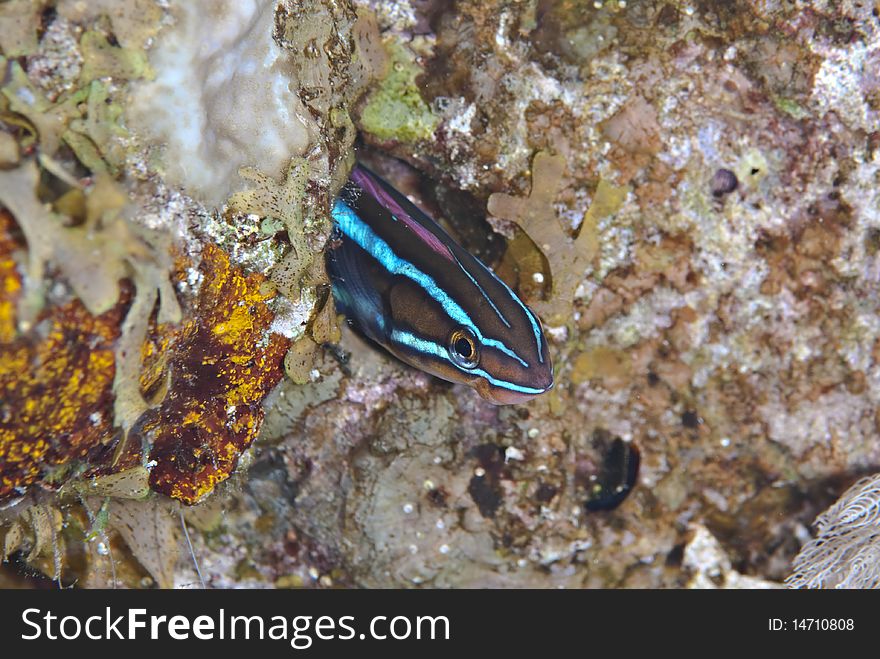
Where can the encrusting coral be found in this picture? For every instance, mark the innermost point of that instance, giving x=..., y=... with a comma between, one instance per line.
x=690, y=198
x=136, y=353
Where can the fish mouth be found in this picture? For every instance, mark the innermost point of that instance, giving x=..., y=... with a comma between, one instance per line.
x=501, y=396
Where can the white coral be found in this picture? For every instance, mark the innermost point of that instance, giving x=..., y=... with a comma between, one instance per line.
x=222, y=98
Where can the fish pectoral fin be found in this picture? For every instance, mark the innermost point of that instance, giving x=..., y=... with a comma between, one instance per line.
x=356, y=296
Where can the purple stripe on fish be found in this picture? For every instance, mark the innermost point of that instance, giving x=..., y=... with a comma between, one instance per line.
x=372, y=187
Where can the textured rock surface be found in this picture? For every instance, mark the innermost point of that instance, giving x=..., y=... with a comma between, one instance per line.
x=139, y=332
x=725, y=322
x=712, y=170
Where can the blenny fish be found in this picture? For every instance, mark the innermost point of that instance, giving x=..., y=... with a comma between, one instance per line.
x=403, y=282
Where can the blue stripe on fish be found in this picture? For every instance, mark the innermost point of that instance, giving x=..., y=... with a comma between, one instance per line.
x=408, y=286
x=536, y=327
x=352, y=226
x=482, y=292
x=431, y=348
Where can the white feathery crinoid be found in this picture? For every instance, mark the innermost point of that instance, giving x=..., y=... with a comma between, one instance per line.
x=846, y=550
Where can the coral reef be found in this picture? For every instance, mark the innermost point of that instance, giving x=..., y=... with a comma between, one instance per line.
x=140, y=332
x=688, y=192
x=693, y=221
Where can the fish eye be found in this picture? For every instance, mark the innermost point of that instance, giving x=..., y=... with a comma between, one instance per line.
x=463, y=348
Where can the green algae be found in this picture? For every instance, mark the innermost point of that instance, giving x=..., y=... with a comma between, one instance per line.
x=102, y=59
x=396, y=110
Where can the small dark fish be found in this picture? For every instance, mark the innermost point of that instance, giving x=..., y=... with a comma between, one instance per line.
x=403, y=282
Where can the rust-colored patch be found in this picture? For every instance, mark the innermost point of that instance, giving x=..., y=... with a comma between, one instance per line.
x=10, y=281
x=549, y=125
x=634, y=128
x=223, y=366
x=207, y=377
x=55, y=385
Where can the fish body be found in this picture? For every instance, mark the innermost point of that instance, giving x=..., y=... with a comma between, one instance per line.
x=406, y=284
